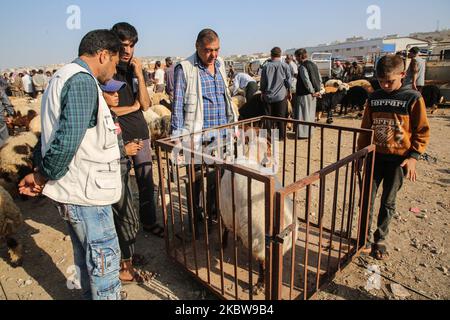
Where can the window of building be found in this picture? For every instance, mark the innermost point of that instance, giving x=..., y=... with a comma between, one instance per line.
x=349, y=49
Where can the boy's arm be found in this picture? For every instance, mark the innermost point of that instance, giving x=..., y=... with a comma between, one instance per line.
x=123, y=111
x=420, y=128
x=364, y=138
x=419, y=140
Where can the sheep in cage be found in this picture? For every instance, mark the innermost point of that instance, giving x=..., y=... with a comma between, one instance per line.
x=258, y=200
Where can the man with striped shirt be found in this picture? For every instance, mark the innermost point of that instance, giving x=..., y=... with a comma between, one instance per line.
x=201, y=101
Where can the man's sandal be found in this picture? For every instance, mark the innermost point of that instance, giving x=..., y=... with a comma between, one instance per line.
x=137, y=279
x=380, y=252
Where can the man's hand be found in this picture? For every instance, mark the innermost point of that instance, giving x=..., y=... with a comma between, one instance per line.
x=289, y=96
x=317, y=95
x=137, y=105
x=414, y=86
x=32, y=185
x=409, y=166
x=133, y=148
x=8, y=120
x=137, y=65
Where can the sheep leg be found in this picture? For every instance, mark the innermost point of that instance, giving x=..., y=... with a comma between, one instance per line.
x=225, y=238
x=15, y=252
x=330, y=116
x=258, y=288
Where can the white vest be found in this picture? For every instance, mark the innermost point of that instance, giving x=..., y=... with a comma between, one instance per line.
x=94, y=177
x=193, y=98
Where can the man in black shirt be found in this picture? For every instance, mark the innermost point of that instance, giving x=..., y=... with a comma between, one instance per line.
x=133, y=99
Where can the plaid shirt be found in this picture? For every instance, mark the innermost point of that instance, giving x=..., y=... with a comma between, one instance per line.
x=5, y=108
x=79, y=108
x=213, y=92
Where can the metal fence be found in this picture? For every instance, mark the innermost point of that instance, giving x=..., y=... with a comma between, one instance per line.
x=298, y=209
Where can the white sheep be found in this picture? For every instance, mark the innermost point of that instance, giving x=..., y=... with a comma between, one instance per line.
x=159, y=127
x=35, y=125
x=10, y=221
x=159, y=98
x=161, y=111
x=16, y=157
x=258, y=213
x=333, y=83
x=23, y=106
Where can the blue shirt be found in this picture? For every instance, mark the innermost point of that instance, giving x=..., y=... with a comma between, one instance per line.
x=240, y=82
x=213, y=95
x=275, y=80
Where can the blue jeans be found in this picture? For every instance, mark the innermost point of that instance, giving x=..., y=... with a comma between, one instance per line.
x=96, y=250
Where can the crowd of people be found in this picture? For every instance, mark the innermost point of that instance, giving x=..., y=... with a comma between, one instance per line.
x=94, y=132
x=26, y=83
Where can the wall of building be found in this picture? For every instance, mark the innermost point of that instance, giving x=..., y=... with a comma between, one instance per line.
x=366, y=48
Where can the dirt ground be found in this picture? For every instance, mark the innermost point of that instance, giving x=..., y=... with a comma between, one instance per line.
x=419, y=258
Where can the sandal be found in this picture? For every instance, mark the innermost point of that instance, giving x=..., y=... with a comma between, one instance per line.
x=367, y=250
x=155, y=230
x=137, y=279
x=380, y=252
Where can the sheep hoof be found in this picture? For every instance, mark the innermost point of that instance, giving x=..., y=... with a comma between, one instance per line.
x=258, y=289
x=16, y=264
x=15, y=255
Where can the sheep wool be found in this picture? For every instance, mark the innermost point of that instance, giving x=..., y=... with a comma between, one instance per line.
x=258, y=213
x=258, y=206
x=333, y=83
x=161, y=110
x=35, y=125
x=10, y=215
x=238, y=101
x=157, y=98
x=17, y=153
x=362, y=83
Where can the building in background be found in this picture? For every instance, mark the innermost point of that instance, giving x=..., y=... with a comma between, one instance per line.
x=367, y=50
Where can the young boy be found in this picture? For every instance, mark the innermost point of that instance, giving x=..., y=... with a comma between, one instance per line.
x=126, y=218
x=402, y=132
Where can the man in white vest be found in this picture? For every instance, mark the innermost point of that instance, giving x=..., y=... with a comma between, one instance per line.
x=78, y=162
x=202, y=100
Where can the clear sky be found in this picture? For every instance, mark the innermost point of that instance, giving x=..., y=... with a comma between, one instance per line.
x=34, y=33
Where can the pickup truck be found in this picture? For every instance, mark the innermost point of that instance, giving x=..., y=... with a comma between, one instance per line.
x=324, y=63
